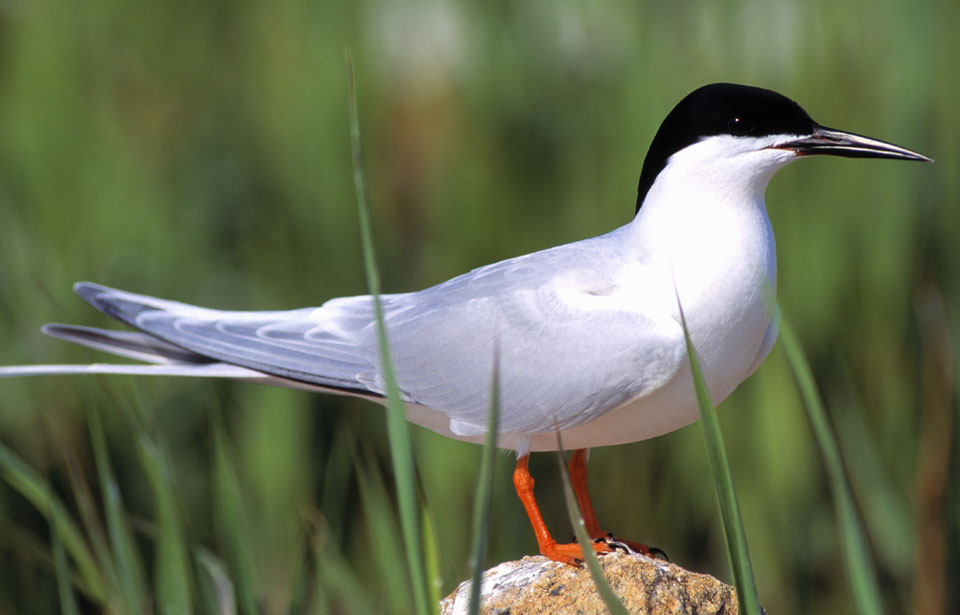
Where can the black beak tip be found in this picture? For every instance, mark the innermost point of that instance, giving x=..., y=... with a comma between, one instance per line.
x=831, y=142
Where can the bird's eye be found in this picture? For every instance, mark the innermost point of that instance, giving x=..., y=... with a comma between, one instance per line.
x=737, y=126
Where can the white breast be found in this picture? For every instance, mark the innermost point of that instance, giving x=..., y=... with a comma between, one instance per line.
x=704, y=236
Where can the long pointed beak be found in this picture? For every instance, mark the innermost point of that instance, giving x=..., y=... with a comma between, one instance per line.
x=839, y=143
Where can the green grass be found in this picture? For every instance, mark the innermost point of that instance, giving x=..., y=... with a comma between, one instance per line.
x=68, y=601
x=861, y=572
x=610, y=598
x=482, y=502
x=231, y=519
x=26, y=481
x=736, y=537
x=123, y=557
x=400, y=447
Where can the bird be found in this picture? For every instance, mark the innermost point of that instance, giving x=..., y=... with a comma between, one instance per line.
x=587, y=337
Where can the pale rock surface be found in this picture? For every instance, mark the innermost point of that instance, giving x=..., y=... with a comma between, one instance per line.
x=647, y=586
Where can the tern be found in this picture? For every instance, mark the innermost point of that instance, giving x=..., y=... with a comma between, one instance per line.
x=588, y=334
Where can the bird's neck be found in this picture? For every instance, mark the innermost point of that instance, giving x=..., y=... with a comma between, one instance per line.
x=706, y=212
x=709, y=244
x=707, y=235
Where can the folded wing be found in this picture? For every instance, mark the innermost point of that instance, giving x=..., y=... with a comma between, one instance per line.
x=569, y=350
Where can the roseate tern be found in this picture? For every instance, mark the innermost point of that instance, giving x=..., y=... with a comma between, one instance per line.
x=588, y=334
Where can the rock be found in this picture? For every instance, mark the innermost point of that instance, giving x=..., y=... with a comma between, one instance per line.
x=647, y=586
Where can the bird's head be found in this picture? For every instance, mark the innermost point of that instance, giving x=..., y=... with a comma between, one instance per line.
x=736, y=134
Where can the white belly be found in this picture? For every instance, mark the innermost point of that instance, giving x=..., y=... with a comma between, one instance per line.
x=726, y=278
x=725, y=301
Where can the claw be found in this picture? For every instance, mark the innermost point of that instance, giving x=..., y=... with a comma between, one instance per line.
x=654, y=552
x=619, y=546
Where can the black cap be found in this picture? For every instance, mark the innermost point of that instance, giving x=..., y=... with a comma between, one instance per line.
x=721, y=109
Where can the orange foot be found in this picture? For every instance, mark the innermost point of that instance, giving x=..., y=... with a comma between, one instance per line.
x=629, y=546
x=578, y=478
x=570, y=553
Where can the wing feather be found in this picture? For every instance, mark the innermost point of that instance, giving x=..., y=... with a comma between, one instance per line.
x=571, y=347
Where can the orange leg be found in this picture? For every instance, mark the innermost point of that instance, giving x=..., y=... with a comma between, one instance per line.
x=568, y=553
x=578, y=477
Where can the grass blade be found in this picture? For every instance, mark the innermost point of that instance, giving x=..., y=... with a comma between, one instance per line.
x=94, y=533
x=484, y=494
x=860, y=570
x=232, y=528
x=398, y=431
x=886, y=509
x=431, y=556
x=68, y=602
x=337, y=583
x=129, y=570
x=172, y=569
x=733, y=530
x=586, y=545
x=382, y=528
x=221, y=598
x=30, y=485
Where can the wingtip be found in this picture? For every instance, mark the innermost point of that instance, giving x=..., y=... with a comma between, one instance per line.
x=88, y=290
x=58, y=330
x=51, y=329
x=95, y=294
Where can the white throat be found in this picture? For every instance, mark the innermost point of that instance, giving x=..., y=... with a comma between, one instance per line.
x=704, y=228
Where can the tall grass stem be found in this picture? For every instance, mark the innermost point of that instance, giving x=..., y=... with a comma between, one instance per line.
x=606, y=592
x=861, y=574
x=398, y=431
x=736, y=537
x=484, y=494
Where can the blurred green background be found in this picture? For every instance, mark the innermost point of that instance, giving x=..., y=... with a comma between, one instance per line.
x=200, y=151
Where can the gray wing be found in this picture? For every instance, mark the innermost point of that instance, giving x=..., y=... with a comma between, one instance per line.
x=570, y=347
x=130, y=344
x=316, y=346
x=568, y=352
